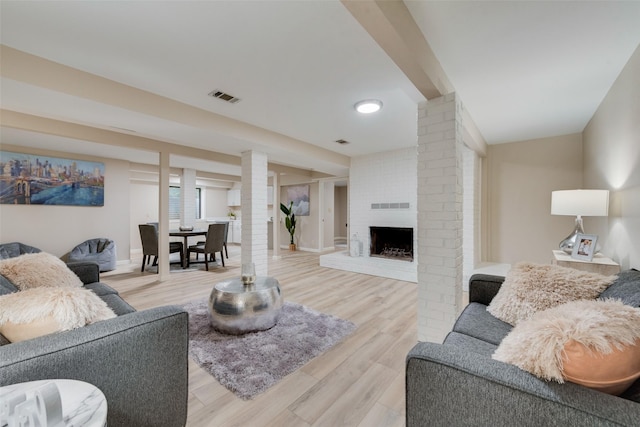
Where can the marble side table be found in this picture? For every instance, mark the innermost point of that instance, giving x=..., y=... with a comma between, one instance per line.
x=236, y=308
x=64, y=403
x=599, y=264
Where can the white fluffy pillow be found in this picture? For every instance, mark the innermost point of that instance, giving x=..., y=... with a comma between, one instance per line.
x=40, y=311
x=529, y=288
x=40, y=269
x=597, y=343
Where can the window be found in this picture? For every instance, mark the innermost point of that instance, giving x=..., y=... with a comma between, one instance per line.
x=174, y=203
x=198, y=204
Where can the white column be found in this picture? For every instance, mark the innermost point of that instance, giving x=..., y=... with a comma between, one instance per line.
x=439, y=216
x=188, y=197
x=276, y=216
x=254, y=211
x=163, y=217
x=471, y=214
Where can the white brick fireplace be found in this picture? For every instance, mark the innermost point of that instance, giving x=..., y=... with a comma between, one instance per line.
x=382, y=193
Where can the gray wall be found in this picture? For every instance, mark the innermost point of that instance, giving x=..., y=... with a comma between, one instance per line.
x=307, y=235
x=57, y=229
x=520, y=178
x=341, y=215
x=612, y=161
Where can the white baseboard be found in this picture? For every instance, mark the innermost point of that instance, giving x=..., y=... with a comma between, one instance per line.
x=300, y=248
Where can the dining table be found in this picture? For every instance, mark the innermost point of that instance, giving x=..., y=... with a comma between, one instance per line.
x=186, y=234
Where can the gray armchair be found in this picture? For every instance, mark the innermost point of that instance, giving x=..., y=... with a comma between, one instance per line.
x=13, y=249
x=100, y=250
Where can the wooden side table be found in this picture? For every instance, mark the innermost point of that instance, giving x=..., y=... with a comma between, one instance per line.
x=599, y=264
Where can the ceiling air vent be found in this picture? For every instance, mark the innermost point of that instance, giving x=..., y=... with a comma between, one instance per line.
x=224, y=96
x=342, y=141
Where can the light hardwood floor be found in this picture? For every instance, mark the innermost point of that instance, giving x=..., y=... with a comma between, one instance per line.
x=359, y=382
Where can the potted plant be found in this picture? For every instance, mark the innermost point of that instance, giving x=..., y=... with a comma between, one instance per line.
x=290, y=223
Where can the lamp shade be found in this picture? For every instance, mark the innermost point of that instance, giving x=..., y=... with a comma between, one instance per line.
x=580, y=202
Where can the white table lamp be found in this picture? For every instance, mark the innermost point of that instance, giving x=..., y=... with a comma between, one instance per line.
x=578, y=203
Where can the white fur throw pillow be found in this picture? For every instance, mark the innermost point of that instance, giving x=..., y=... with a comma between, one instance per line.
x=529, y=288
x=29, y=271
x=597, y=341
x=39, y=311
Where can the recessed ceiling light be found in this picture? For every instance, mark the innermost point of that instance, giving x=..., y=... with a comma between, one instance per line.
x=368, y=106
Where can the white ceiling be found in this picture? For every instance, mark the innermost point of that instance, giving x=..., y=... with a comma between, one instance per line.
x=530, y=69
x=523, y=69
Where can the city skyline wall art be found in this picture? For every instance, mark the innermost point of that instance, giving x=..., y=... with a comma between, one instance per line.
x=30, y=179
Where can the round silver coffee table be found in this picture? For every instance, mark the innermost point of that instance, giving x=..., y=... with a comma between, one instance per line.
x=236, y=308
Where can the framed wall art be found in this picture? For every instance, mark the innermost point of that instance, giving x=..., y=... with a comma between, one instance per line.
x=29, y=179
x=299, y=195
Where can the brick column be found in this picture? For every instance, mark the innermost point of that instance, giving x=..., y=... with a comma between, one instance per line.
x=254, y=211
x=439, y=216
x=471, y=213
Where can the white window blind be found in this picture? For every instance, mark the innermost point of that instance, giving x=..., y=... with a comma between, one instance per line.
x=174, y=203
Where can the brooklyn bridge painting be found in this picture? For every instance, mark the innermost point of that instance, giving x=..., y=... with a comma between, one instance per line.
x=27, y=179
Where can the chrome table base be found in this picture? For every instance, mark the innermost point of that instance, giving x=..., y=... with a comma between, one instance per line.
x=236, y=308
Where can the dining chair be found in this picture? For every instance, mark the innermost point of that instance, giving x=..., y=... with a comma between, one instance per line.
x=226, y=236
x=149, y=237
x=213, y=244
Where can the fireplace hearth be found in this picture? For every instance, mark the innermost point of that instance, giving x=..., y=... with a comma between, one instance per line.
x=392, y=242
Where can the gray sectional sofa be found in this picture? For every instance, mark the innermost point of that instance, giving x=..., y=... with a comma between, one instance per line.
x=457, y=383
x=139, y=359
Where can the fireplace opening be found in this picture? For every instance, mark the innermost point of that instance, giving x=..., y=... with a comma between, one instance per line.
x=392, y=242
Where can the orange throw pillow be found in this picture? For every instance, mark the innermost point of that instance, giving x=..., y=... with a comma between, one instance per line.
x=610, y=373
x=41, y=311
x=592, y=343
x=15, y=332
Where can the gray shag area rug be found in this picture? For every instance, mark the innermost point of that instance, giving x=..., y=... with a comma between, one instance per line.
x=251, y=363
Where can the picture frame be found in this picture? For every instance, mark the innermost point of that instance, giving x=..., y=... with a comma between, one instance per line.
x=585, y=247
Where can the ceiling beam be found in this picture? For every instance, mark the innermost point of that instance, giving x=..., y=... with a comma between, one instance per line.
x=391, y=25
x=217, y=176
x=17, y=120
x=44, y=125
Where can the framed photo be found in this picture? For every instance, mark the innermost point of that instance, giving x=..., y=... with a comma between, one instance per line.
x=585, y=247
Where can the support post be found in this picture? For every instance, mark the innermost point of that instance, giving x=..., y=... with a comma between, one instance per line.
x=440, y=224
x=254, y=211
